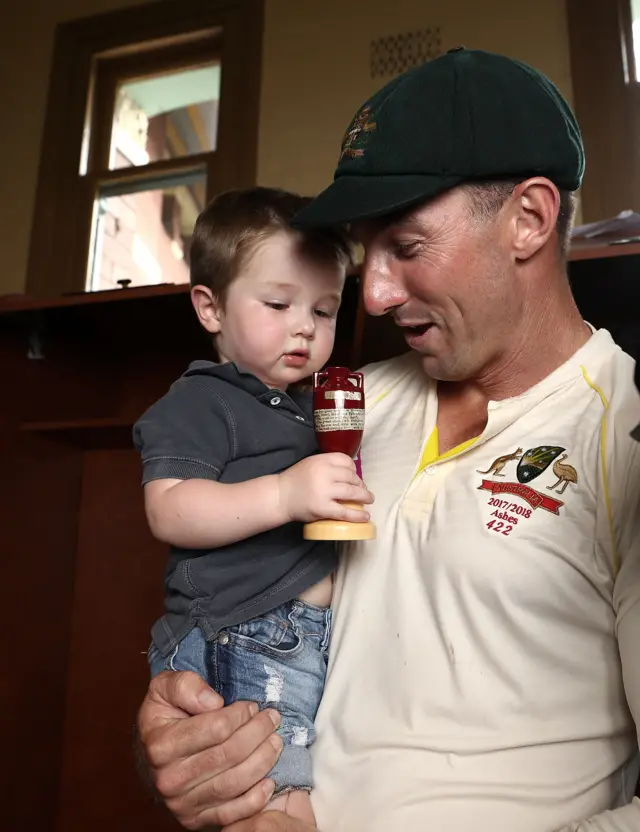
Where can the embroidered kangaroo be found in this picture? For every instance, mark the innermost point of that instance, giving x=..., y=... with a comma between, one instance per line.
x=498, y=464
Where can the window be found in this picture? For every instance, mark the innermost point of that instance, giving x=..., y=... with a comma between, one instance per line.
x=635, y=33
x=151, y=112
x=147, y=151
x=141, y=237
x=166, y=116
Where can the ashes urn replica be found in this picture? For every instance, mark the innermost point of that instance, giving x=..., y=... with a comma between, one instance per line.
x=338, y=412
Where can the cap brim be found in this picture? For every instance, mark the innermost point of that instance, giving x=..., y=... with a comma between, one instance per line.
x=352, y=198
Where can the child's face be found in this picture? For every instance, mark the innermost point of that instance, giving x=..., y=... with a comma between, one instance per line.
x=279, y=316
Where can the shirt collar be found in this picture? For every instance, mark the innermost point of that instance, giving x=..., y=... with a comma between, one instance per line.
x=298, y=398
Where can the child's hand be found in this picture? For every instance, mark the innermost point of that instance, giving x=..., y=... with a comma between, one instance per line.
x=314, y=488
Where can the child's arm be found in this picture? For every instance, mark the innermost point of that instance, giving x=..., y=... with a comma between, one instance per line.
x=204, y=514
x=186, y=440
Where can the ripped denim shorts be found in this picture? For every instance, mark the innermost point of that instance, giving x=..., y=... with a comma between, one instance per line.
x=278, y=660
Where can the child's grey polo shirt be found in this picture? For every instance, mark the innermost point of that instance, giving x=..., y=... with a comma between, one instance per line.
x=219, y=423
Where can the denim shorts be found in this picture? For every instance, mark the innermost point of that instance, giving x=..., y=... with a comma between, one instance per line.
x=278, y=660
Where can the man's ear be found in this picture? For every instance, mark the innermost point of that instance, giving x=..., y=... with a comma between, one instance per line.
x=208, y=308
x=536, y=206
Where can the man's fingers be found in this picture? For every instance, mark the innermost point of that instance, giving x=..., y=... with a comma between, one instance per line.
x=230, y=787
x=231, y=782
x=232, y=795
x=271, y=822
x=237, y=780
x=176, y=695
x=243, y=807
x=186, y=738
x=227, y=769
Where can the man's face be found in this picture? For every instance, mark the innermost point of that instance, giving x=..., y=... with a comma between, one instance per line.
x=447, y=278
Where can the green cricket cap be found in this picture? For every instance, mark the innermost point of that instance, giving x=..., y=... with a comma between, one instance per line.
x=467, y=115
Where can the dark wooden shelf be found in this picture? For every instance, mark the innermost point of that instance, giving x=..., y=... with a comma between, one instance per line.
x=596, y=250
x=24, y=303
x=95, y=433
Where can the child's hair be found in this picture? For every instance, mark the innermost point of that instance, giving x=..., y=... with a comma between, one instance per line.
x=231, y=227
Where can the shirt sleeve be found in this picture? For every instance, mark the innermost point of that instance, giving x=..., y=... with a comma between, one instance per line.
x=626, y=818
x=626, y=602
x=187, y=434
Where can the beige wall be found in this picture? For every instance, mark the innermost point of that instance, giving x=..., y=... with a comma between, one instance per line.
x=316, y=66
x=315, y=75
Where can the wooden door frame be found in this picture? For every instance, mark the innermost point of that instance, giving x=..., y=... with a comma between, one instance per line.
x=607, y=104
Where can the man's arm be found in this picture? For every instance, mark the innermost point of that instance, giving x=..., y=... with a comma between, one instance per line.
x=626, y=818
x=271, y=822
x=626, y=602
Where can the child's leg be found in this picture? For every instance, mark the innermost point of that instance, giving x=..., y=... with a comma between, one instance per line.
x=279, y=661
x=296, y=804
x=192, y=653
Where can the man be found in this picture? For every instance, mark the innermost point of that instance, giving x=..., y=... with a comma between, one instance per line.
x=484, y=671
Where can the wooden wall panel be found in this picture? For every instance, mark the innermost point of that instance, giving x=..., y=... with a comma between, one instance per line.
x=39, y=500
x=118, y=595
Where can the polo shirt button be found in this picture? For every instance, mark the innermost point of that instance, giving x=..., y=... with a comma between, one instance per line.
x=276, y=400
x=223, y=638
x=431, y=469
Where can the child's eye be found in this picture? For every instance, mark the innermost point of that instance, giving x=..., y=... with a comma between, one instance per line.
x=275, y=305
x=322, y=313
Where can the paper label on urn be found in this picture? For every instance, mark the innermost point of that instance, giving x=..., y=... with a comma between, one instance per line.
x=348, y=419
x=341, y=395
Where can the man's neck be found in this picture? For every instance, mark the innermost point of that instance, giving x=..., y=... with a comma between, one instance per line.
x=552, y=334
x=549, y=335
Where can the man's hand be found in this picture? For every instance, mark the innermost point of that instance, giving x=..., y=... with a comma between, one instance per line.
x=271, y=822
x=207, y=761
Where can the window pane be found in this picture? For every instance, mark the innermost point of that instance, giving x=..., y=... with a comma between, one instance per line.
x=143, y=236
x=635, y=17
x=165, y=117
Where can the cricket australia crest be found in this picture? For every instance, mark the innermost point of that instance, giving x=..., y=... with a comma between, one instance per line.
x=536, y=460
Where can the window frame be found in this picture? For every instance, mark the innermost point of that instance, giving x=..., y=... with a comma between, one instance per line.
x=90, y=57
x=607, y=104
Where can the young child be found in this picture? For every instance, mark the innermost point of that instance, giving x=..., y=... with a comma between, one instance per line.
x=230, y=473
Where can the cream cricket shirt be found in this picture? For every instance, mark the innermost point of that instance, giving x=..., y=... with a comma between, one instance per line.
x=475, y=681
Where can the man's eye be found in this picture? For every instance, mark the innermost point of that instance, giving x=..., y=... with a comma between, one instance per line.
x=275, y=305
x=405, y=251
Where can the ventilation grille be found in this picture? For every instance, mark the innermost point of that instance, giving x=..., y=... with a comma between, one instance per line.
x=394, y=54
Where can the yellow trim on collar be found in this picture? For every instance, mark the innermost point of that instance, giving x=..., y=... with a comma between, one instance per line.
x=431, y=452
